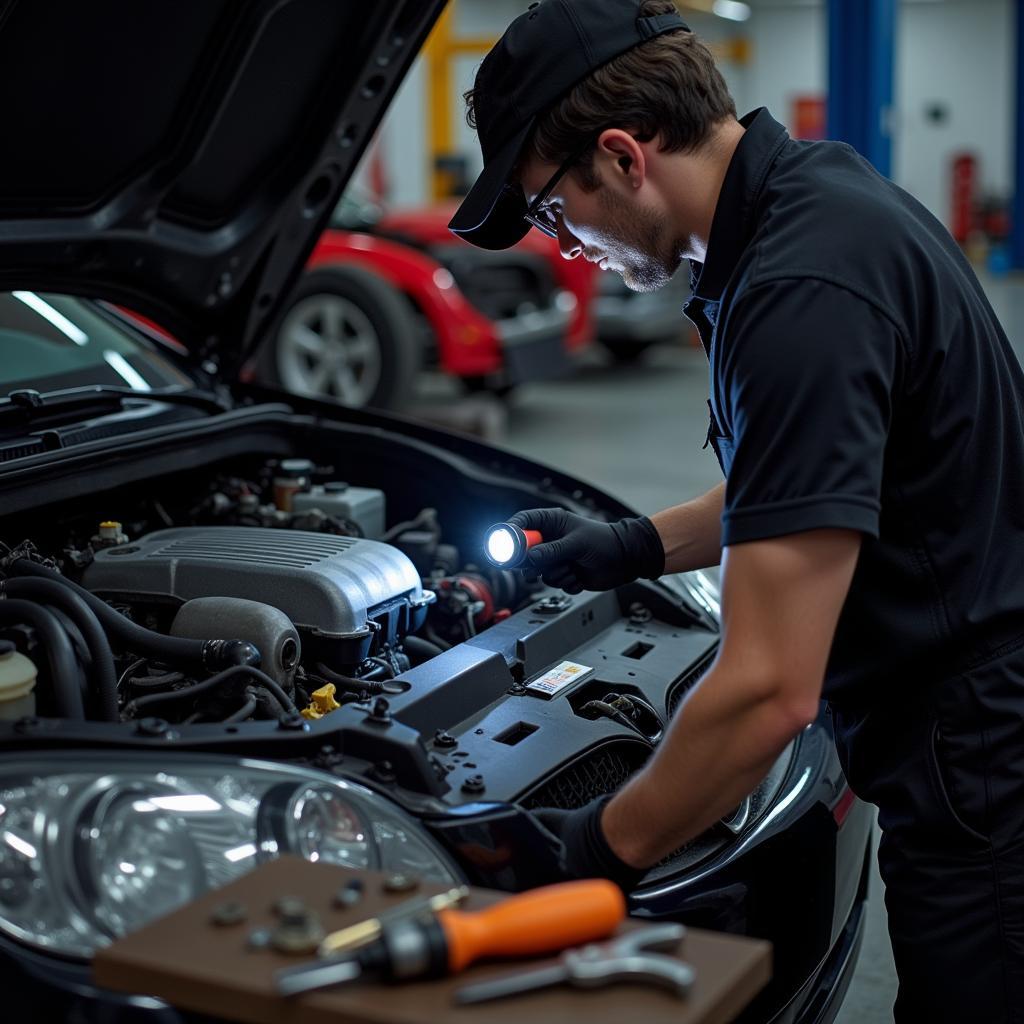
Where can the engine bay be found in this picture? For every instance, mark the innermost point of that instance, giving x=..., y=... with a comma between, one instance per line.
x=268, y=598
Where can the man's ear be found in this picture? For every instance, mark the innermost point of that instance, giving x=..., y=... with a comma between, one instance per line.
x=622, y=157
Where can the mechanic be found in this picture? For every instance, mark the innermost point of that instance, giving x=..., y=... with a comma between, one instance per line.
x=867, y=413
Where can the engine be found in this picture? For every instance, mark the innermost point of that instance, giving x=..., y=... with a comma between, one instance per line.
x=259, y=597
x=348, y=597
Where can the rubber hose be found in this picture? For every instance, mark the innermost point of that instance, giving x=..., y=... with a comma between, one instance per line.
x=245, y=710
x=66, y=676
x=48, y=592
x=261, y=678
x=352, y=684
x=424, y=650
x=131, y=634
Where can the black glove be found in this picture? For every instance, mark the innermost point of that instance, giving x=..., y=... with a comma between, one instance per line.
x=582, y=554
x=585, y=850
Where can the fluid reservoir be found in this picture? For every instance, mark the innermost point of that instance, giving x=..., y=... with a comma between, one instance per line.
x=17, y=681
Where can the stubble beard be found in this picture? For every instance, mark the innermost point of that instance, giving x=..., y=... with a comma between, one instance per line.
x=638, y=242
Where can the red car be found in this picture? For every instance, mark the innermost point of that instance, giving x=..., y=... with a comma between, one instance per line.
x=371, y=309
x=625, y=322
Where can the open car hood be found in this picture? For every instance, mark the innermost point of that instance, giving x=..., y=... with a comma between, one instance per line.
x=181, y=157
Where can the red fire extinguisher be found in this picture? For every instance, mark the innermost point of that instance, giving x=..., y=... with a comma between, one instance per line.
x=965, y=180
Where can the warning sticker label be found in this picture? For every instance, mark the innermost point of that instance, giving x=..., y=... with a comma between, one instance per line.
x=556, y=679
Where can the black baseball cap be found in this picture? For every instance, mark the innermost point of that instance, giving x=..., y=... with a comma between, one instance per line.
x=540, y=57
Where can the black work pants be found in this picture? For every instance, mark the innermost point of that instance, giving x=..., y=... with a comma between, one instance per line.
x=945, y=766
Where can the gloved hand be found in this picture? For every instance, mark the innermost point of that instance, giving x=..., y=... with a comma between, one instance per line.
x=585, y=850
x=582, y=554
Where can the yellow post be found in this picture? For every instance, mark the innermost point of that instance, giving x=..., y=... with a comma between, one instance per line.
x=439, y=101
x=440, y=50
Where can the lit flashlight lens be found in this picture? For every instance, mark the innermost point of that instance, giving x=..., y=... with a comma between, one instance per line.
x=506, y=545
x=501, y=545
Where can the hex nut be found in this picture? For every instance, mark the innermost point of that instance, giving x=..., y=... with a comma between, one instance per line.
x=290, y=907
x=228, y=913
x=298, y=939
x=400, y=883
x=259, y=938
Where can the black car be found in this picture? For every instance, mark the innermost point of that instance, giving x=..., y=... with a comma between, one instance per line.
x=261, y=623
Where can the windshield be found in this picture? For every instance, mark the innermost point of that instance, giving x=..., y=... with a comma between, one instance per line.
x=49, y=342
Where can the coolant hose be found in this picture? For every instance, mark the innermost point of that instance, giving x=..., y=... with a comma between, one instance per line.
x=420, y=649
x=208, y=654
x=72, y=604
x=261, y=679
x=65, y=672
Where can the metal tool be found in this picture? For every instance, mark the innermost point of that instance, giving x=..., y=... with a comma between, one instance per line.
x=356, y=935
x=629, y=958
x=541, y=921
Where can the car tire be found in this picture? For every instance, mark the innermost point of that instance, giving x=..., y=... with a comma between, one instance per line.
x=348, y=335
x=624, y=351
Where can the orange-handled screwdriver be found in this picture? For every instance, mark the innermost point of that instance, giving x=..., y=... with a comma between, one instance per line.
x=506, y=545
x=542, y=921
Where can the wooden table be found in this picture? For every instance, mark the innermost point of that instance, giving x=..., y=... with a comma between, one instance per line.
x=191, y=963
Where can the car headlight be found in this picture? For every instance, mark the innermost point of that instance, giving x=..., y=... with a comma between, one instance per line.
x=97, y=848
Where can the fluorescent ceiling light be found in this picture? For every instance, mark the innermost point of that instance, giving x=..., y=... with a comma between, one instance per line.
x=731, y=9
x=59, y=320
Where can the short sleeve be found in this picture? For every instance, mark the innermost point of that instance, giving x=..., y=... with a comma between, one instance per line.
x=804, y=374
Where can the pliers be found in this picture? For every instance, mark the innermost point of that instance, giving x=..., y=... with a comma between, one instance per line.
x=631, y=958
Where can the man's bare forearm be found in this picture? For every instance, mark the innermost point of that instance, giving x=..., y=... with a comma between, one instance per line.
x=720, y=745
x=691, y=533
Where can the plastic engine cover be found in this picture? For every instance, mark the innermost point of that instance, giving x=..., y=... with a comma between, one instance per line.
x=325, y=584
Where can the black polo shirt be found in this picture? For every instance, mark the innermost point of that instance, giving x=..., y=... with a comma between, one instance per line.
x=860, y=379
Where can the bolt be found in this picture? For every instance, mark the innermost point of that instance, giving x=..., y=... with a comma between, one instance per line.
x=292, y=721
x=383, y=771
x=473, y=784
x=444, y=739
x=400, y=883
x=639, y=613
x=350, y=893
x=380, y=712
x=228, y=913
x=27, y=724
x=152, y=727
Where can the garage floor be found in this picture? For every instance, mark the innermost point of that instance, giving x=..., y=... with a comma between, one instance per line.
x=637, y=432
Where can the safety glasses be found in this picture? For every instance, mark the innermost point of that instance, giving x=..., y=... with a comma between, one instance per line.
x=539, y=216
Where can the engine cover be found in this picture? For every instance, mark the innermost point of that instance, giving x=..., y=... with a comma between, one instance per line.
x=338, y=587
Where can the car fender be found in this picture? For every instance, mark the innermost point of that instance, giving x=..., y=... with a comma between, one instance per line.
x=467, y=341
x=430, y=226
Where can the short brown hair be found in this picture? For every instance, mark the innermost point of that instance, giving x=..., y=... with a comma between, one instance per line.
x=668, y=85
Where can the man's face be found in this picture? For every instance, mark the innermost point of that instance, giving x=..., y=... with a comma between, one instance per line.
x=611, y=226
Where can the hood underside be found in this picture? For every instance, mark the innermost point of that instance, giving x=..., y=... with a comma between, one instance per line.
x=182, y=156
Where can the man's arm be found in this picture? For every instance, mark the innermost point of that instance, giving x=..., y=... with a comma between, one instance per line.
x=691, y=533
x=781, y=600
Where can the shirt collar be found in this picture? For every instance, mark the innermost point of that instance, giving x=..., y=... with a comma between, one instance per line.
x=735, y=212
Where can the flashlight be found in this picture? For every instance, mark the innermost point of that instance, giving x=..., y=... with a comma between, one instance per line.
x=506, y=545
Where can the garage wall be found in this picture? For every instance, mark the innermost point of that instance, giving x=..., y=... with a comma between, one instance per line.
x=954, y=53
x=958, y=54
x=789, y=57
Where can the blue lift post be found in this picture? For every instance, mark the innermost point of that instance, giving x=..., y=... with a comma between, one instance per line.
x=1017, y=212
x=861, y=45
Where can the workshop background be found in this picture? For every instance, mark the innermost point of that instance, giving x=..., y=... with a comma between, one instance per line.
x=573, y=371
